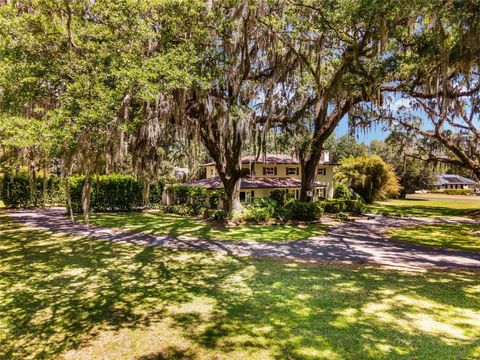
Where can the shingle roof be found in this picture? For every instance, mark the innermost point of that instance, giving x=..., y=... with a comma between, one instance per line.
x=444, y=179
x=272, y=159
x=253, y=183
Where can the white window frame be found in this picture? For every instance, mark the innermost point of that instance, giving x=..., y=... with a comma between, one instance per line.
x=291, y=171
x=269, y=170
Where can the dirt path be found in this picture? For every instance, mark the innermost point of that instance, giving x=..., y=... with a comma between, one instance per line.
x=353, y=242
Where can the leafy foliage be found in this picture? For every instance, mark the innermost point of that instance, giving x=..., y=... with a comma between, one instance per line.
x=109, y=193
x=16, y=191
x=370, y=177
x=341, y=191
x=305, y=211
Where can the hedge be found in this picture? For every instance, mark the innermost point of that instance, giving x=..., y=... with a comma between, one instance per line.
x=335, y=206
x=16, y=193
x=457, y=191
x=114, y=192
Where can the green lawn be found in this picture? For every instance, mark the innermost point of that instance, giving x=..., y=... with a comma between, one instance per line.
x=77, y=298
x=175, y=225
x=453, y=236
x=426, y=208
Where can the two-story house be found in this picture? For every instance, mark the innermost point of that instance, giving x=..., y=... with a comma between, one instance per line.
x=269, y=173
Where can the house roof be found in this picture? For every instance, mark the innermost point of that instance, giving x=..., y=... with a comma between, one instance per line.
x=447, y=179
x=273, y=159
x=253, y=183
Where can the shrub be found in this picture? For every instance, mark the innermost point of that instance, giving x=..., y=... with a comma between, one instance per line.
x=260, y=210
x=194, y=196
x=458, y=191
x=354, y=206
x=214, y=197
x=16, y=192
x=182, y=210
x=109, y=193
x=220, y=215
x=334, y=206
x=341, y=216
x=257, y=214
x=156, y=191
x=341, y=191
x=305, y=211
x=370, y=177
x=280, y=196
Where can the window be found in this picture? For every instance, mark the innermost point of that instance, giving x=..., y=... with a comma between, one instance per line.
x=292, y=171
x=322, y=171
x=246, y=196
x=211, y=171
x=320, y=192
x=269, y=171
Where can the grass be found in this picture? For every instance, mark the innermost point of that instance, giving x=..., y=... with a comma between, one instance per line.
x=426, y=208
x=191, y=226
x=444, y=196
x=77, y=298
x=453, y=236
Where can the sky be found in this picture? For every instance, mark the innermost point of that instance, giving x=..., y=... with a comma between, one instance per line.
x=365, y=136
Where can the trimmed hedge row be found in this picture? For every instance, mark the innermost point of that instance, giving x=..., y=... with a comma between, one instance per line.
x=457, y=191
x=16, y=192
x=114, y=192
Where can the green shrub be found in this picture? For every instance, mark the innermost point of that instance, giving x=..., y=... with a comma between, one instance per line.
x=354, y=206
x=280, y=196
x=334, y=206
x=109, y=193
x=156, y=192
x=341, y=191
x=260, y=210
x=341, y=216
x=16, y=191
x=194, y=196
x=305, y=211
x=214, y=198
x=182, y=210
x=458, y=191
x=257, y=214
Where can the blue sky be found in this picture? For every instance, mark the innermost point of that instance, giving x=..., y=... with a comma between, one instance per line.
x=365, y=136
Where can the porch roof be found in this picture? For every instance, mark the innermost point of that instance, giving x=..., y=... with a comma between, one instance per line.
x=254, y=183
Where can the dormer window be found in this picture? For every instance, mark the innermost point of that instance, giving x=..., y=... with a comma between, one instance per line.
x=269, y=170
x=322, y=171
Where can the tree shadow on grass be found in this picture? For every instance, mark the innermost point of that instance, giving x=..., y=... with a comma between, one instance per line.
x=174, y=225
x=58, y=293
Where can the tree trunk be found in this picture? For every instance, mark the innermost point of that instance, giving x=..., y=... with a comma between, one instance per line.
x=44, y=183
x=86, y=193
x=146, y=193
x=309, y=173
x=69, y=200
x=232, y=196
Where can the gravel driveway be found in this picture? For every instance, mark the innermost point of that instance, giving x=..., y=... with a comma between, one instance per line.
x=362, y=241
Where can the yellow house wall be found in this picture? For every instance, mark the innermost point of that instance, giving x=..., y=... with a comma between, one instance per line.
x=326, y=179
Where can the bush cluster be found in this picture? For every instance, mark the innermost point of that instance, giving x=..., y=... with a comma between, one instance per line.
x=109, y=193
x=305, y=211
x=16, y=191
x=191, y=196
x=457, y=191
x=335, y=206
